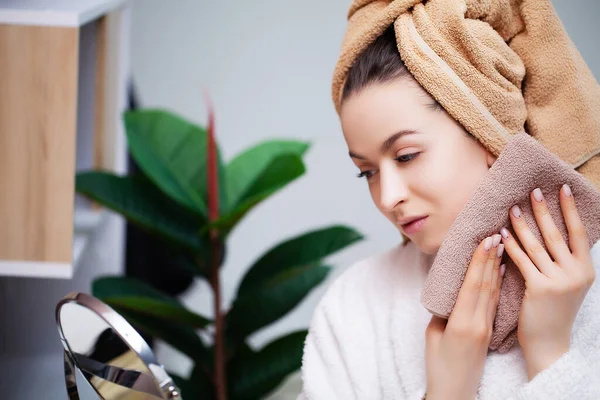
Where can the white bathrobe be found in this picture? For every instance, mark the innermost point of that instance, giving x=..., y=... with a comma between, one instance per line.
x=367, y=341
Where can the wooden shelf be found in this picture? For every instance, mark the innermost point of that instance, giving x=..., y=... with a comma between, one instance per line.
x=86, y=223
x=61, y=103
x=66, y=13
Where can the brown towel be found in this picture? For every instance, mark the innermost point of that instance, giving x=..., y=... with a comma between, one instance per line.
x=523, y=165
x=498, y=67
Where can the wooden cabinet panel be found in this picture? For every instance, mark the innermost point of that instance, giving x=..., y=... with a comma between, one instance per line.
x=63, y=84
x=38, y=108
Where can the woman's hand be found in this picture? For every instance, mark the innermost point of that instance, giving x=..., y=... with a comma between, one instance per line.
x=456, y=348
x=555, y=287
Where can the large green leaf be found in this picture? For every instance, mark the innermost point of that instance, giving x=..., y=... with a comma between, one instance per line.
x=255, y=375
x=281, y=171
x=136, y=296
x=139, y=201
x=172, y=152
x=180, y=337
x=307, y=248
x=273, y=299
x=245, y=174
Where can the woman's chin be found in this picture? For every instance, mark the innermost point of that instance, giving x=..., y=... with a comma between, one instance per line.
x=426, y=246
x=429, y=250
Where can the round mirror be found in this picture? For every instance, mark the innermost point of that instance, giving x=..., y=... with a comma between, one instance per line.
x=108, y=353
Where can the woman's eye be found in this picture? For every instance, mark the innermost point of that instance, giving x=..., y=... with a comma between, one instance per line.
x=406, y=157
x=365, y=174
x=402, y=159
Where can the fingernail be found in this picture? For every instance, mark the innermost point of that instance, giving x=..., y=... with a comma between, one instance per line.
x=516, y=211
x=502, y=269
x=500, y=250
x=537, y=194
x=504, y=233
x=496, y=240
x=488, y=244
x=567, y=190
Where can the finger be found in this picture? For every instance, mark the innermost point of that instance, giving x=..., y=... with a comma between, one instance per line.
x=578, y=237
x=536, y=252
x=552, y=237
x=434, y=331
x=485, y=293
x=521, y=260
x=437, y=324
x=495, y=300
x=468, y=295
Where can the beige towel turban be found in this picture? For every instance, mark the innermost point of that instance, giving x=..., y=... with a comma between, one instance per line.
x=499, y=67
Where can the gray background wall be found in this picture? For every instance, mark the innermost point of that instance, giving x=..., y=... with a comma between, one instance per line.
x=267, y=66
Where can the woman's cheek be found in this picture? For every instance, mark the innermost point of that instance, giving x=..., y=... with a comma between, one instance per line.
x=375, y=192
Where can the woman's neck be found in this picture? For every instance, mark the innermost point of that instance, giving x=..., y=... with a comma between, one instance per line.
x=427, y=260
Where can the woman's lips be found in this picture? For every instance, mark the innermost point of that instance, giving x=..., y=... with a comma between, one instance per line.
x=415, y=226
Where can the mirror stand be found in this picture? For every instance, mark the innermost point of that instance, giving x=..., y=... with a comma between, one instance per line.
x=111, y=355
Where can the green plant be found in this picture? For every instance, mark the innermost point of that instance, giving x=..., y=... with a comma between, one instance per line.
x=189, y=197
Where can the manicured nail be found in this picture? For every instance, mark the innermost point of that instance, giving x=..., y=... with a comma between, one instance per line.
x=504, y=233
x=537, y=194
x=496, y=240
x=502, y=269
x=516, y=211
x=488, y=244
x=567, y=190
x=500, y=250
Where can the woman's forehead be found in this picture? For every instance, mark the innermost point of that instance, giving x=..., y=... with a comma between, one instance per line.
x=381, y=110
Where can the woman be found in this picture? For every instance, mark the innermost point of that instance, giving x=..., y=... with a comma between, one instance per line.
x=370, y=338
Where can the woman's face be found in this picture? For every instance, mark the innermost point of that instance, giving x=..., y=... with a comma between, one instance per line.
x=417, y=160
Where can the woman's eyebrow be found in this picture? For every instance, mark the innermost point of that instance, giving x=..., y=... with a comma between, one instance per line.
x=389, y=142
x=385, y=146
x=357, y=156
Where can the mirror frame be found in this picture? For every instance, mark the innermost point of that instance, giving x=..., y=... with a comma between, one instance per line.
x=164, y=383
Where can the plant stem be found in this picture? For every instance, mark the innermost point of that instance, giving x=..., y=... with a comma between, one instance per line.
x=215, y=253
x=219, y=354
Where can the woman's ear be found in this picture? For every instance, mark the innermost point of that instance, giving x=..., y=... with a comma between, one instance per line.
x=490, y=158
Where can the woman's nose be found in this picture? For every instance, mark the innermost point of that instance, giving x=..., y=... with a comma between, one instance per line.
x=394, y=189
